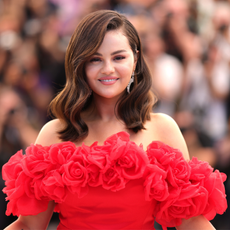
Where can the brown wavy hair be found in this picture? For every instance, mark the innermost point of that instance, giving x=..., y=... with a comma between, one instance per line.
x=134, y=108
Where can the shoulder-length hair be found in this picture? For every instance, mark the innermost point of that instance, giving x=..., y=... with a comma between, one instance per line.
x=134, y=108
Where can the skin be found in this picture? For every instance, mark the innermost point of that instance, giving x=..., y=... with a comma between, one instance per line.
x=114, y=58
x=116, y=62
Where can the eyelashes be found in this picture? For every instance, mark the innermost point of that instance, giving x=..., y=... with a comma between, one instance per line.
x=94, y=60
x=97, y=59
x=119, y=57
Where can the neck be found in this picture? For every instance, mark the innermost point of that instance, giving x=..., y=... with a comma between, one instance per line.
x=102, y=109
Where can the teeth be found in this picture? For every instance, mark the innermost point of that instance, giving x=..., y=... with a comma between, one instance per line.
x=108, y=80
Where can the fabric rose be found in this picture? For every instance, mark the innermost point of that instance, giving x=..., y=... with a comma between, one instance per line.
x=36, y=163
x=94, y=175
x=115, y=139
x=23, y=198
x=170, y=160
x=132, y=161
x=12, y=169
x=60, y=153
x=10, y=172
x=126, y=162
x=53, y=186
x=160, y=154
x=178, y=172
x=200, y=170
x=204, y=175
x=203, y=194
x=188, y=192
x=37, y=151
x=98, y=158
x=74, y=172
x=112, y=179
x=20, y=186
x=181, y=204
x=217, y=202
x=155, y=184
x=98, y=155
x=111, y=173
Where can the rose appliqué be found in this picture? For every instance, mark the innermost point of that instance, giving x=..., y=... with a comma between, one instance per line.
x=180, y=189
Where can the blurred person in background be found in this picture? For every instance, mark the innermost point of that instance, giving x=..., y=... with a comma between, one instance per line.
x=164, y=68
x=15, y=132
x=206, y=87
x=221, y=29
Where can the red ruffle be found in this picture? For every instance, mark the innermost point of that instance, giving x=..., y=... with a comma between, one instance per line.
x=182, y=189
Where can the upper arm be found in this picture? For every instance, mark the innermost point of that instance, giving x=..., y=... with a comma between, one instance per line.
x=41, y=220
x=170, y=134
x=197, y=222
x=36, y=222
x=47, y=136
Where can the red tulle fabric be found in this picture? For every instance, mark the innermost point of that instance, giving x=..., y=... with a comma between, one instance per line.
x=179, y=189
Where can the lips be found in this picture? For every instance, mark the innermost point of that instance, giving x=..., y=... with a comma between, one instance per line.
x=108, y=80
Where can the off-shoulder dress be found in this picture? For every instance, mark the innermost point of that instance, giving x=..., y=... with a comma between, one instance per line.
x=117, y=185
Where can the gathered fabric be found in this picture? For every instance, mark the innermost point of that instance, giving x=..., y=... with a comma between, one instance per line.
x=116, y=185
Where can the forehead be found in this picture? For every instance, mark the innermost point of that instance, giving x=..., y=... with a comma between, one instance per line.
x=115, y=39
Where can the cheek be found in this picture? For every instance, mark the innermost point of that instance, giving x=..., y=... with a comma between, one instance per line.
x=90, y=72
x=126, y=71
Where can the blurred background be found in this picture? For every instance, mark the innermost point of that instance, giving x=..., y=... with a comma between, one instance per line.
x=186, y=45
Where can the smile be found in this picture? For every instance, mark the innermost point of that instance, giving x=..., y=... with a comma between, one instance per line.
x=109, y=80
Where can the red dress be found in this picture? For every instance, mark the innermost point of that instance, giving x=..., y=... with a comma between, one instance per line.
x=117, y=185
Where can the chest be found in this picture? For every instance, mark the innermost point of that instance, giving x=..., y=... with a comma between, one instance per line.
x=101, y=133
x=143, y=140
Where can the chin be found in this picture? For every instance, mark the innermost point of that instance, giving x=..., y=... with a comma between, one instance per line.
x=111, y=95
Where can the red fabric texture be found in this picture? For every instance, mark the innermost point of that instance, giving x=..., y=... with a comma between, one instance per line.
x=168, y=188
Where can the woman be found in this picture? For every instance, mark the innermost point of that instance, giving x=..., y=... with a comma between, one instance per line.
x=108, y=163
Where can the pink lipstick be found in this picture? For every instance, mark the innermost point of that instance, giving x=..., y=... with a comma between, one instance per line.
x=108, y=80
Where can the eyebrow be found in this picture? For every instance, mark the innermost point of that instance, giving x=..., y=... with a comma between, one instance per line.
x=115, y=52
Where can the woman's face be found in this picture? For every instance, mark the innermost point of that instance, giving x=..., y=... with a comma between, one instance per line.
x=109, y=70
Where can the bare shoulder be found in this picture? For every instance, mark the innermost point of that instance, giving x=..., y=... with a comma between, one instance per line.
x=163, y=121
x=49, y=133
x=168, y=132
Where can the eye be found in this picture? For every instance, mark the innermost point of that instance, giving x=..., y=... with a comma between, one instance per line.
x=95, y=59
x=119, y=58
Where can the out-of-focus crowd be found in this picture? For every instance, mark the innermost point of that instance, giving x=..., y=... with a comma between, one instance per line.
x=186, y=45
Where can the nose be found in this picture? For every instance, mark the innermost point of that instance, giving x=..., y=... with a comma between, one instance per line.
x=107, y=68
